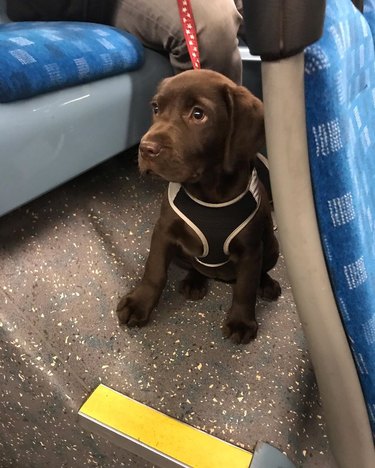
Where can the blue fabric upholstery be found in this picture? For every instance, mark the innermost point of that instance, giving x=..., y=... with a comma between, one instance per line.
x=37, y=57
x=340, y=104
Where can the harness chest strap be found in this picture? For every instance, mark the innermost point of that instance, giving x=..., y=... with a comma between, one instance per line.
x=216, y=225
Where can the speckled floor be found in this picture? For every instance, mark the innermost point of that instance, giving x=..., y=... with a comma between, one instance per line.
x=65, y=260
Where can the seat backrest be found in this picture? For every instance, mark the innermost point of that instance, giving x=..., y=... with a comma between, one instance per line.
x=340, y=118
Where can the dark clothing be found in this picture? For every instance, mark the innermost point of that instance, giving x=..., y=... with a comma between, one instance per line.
x=95, y=11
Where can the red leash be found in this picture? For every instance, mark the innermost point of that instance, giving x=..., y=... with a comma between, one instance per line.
x=190, y=32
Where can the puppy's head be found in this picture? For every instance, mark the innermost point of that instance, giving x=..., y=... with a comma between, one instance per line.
x=202, y=121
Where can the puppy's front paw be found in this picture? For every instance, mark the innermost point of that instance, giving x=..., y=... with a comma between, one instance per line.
x=239, y=331
x=131, y=312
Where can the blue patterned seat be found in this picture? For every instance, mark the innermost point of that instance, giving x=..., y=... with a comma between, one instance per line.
x=38, y=57
x=340, y=117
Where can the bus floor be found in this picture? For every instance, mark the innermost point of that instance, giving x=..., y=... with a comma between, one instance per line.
x=65, y=260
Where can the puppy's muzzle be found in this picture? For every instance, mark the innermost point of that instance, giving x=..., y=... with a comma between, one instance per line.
x=149, y=149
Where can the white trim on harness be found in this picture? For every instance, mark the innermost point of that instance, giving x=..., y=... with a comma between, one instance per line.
x=174, y=188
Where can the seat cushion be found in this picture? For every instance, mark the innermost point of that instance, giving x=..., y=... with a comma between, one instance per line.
x=38, y=57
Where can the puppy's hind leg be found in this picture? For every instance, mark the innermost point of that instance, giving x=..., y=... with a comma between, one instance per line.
x=269, y=289
x=194, y=286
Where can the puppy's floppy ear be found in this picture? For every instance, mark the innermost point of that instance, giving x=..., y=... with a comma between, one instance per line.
x=246, y=126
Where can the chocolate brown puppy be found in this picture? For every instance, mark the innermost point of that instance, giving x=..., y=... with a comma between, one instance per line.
x=215, y=217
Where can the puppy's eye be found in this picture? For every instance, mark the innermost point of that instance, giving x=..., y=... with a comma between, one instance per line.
x=198, y=113
x=155, y=108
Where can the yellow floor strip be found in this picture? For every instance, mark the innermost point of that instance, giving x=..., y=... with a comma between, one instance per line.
x=161, y=433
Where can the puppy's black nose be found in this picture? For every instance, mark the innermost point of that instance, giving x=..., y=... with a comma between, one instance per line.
x=149, y=149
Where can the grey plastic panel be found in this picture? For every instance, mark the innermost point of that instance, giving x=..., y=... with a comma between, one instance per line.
x=266, y=456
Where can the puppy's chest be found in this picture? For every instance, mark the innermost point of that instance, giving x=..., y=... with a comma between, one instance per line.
x=213, y=226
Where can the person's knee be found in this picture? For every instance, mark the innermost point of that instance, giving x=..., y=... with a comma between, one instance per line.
x=218, y=50
x=217, y=27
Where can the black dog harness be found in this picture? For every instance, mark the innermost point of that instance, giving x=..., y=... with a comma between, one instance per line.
x=216, y=224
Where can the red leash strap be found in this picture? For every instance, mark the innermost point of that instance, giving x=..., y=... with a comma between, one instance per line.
x=190, y=32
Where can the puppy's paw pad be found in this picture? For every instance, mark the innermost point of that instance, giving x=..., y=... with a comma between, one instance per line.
x=193, y=290
x=240, y=332
x=130, y=314
x=269, y=290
